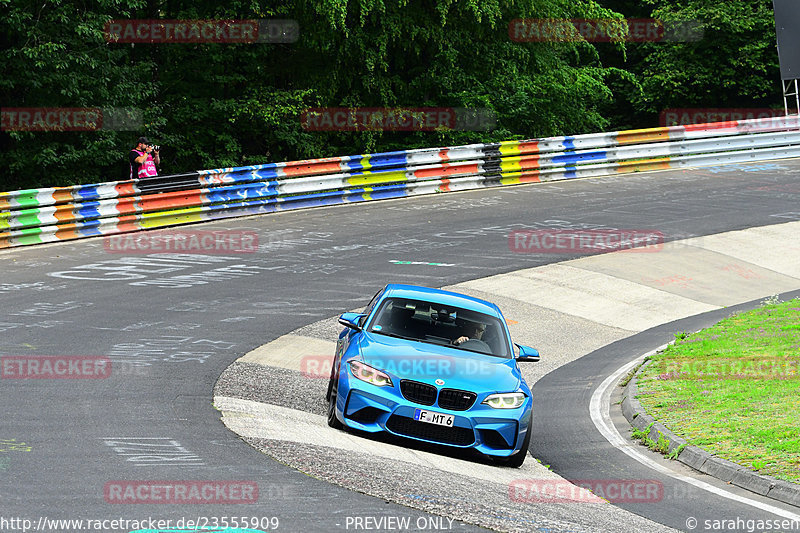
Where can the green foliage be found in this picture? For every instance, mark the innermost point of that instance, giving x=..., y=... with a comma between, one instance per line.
x=57, y=56
x=735, y=64
x=680, y=336
x=217, y=105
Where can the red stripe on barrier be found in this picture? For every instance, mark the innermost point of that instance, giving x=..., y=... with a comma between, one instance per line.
x=447, y=170
x=528, y=162
x=317, y=167
x=170, y=200
x=127, y=223
x=733, y=124
x=125, y=189
x=532, y=146
x=529, y=177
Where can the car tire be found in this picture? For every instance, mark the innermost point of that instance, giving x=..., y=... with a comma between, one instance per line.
x=332, y=420
x=330, y=383
x=516, y=460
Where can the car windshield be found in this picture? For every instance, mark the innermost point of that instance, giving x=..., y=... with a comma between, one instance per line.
x=440, y=324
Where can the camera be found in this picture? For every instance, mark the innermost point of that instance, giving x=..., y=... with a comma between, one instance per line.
x=155, y=147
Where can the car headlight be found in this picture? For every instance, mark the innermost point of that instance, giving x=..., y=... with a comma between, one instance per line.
x=507, y=400
x=370, y=375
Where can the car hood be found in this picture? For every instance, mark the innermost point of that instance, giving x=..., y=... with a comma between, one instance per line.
x=419, y=361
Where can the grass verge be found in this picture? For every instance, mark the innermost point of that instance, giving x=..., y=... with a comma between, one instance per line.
x=734, y=389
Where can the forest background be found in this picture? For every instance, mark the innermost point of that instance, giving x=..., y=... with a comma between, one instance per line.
x=213, y=105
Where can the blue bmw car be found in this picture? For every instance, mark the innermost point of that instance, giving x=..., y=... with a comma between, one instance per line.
x=434, y=366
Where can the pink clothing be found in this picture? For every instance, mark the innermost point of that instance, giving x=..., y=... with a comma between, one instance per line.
x=146, y=169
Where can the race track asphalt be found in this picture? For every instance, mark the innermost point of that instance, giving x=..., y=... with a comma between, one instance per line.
x=171, y=324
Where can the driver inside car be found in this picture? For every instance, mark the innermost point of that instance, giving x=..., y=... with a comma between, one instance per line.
x=472, y=330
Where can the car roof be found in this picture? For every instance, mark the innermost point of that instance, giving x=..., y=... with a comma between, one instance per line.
x=395, y=290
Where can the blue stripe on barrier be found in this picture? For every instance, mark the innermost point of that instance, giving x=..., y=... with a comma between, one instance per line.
x=259, y=209
x=241, y=176
x=389, y=159
x=355, y=164
x=579, y=158
x=261, y=205
x=264, y=174
x=88, y=192
x=89, y=228
x=250, y=190
x=89, y=210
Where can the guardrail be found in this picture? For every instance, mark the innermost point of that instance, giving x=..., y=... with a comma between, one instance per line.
x=54, y=214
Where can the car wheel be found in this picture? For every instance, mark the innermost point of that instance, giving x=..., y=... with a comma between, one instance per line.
x=516, y=460
x=332, y=420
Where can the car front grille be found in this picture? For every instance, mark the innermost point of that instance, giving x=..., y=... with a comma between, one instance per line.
x=417, y=392
x=422, y=430
x=456, y=400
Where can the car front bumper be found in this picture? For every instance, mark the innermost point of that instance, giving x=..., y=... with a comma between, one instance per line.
x=494, y=432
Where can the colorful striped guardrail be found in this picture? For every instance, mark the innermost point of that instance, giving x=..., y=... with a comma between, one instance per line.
x=55, y=214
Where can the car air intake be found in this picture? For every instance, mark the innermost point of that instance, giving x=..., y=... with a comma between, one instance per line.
x=493, y=439
x=456, y=400
x=417, y=392
x=367, y=415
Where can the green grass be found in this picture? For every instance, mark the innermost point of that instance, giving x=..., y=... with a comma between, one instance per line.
x=734, y=389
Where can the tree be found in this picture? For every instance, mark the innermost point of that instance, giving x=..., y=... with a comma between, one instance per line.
x=216, y=105
x=735, y=64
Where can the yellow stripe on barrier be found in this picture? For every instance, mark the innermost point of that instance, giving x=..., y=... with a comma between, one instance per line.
x=518, y=147
x=166, y=218
x=510, y=165
x=642, y=165
x=643, y=136
x=375, y=178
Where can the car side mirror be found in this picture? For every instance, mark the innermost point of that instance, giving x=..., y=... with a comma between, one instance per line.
x=351, y=320
x=527, y=354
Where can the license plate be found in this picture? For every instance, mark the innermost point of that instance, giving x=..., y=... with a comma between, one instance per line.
x=440, y=419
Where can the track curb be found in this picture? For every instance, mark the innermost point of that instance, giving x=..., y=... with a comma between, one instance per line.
x=699, y=459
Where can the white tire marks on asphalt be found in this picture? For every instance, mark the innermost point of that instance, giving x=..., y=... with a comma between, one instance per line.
x=266, y=421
